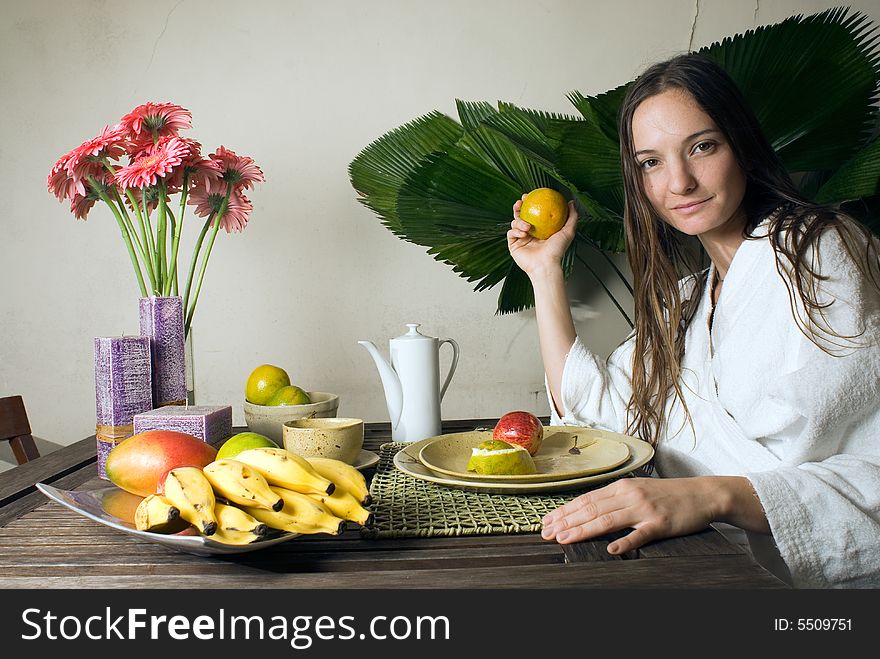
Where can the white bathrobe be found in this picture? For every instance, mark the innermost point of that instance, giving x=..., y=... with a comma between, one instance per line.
x=766, y=403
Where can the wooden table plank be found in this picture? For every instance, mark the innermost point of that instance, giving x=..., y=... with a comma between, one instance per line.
x=47, y=468
x=677, y=573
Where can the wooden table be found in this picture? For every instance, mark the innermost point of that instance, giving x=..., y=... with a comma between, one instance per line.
x=44, y=545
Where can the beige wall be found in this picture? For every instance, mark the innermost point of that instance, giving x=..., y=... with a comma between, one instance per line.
x=301, y=86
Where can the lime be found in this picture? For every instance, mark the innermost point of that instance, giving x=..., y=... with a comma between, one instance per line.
x=241, y=442
x=263, y=382
x=289, y=395
x=546, y=210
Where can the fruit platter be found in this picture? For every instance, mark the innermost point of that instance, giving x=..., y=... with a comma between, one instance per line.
x=521, y=456
x=173, y=489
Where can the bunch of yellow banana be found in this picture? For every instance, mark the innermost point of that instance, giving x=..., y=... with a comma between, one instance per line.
x=338, y=489
x=236, y=501
x=155, y=513
x=350, y=494
x=187, y=489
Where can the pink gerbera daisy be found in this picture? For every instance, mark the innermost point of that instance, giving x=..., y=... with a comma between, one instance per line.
x=154, y=163
x=238, y=209
x=68, y=173
x=240, y=171
x=81, y=204
x=151, y=121
x=60, y=183
x=198, y=169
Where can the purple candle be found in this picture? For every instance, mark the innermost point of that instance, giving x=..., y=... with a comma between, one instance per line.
x=122, y=389
x=162, y=322
x=211, y=423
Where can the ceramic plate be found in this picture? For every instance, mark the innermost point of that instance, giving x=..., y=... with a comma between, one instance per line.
x=407, y=460
x=94, y=503
x=594, y=453
x=365, y=460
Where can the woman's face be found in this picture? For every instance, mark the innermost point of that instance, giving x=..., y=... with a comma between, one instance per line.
x=689, y=172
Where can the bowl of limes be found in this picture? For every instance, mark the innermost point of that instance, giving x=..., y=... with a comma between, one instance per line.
x=271, y=400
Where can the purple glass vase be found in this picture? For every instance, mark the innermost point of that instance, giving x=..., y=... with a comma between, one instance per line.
x=162, y=322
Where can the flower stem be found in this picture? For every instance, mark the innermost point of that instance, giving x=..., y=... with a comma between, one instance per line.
x=125, y=235
x=155, y=256
x=192, y=264
x=175, y=241
x=142, y=249
x=147, y=245
x=218, y=216
x=129, y=226
x=172, y=263
x=161, y=237
x=204, y=267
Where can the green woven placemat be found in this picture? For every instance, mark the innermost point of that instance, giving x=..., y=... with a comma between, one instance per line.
x=404, y=506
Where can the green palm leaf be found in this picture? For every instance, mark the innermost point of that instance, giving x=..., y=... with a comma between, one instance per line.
x=860, y=177
x=378, y=171
x=811, y=82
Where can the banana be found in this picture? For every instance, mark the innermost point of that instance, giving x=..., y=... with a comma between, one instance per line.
x=189, y=491
x=343, y=475
x=242, y=484
x=155, y=513
x=236, y=527
x=342, y=504
x=301, y=514
x=286, y=469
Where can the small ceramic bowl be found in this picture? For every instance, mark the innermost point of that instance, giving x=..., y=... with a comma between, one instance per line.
x=269, y=420
x=337, y=438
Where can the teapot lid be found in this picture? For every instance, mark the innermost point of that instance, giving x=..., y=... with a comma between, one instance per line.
x=412, y=334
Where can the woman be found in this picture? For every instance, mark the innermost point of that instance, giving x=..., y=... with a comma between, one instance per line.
x=757, y=379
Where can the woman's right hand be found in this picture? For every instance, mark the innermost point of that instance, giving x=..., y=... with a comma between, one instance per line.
x=535, y=256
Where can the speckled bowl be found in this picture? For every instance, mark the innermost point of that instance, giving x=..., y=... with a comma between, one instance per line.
x=337, y=438
x=269, y=420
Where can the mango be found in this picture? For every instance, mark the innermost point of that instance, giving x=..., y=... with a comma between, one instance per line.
x=138, y=463
x=121, y=504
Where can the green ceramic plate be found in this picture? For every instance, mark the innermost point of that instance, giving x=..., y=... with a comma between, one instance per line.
x=566, y=452
x=407, y=461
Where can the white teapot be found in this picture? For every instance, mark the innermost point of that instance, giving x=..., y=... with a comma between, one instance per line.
x=412, y=383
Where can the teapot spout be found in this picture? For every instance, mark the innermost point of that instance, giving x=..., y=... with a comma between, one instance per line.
x=390, y=381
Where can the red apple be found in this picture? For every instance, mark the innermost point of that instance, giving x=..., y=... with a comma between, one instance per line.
x=522, y=428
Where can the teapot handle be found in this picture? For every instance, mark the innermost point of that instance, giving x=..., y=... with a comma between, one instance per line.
x=451, y=366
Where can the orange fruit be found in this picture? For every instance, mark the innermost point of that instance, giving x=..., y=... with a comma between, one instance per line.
x=263, y=382
x=546, y=210
x=289, y=395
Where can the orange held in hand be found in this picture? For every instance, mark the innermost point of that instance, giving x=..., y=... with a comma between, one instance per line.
x=546, y=210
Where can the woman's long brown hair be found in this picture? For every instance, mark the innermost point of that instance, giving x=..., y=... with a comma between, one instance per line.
x=660, y=256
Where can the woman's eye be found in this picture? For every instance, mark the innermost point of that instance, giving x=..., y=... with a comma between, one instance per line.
x=647, y=164
x=703, y=147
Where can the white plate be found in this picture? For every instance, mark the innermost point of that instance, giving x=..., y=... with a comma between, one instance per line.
x=90, y=503
x=407, y=460
x=365, y=459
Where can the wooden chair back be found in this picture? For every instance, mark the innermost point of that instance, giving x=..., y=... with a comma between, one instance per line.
x=15, y=429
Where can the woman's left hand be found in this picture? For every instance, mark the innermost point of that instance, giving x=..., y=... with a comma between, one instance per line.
x=653, y=507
